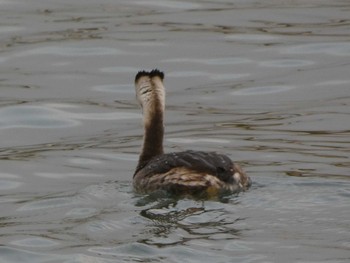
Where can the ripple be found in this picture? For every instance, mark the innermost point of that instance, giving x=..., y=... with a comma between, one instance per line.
x=147, y=44
x=10, y=29
x=191, y=140
x=12, y=255
x=237, y=245
x=119, y=70
x=105, y=191
x=187, y=74
x=226, y=61
x=69, y=51
x=6, y=184
x=118, y=156
x=333, y=82
x=3, y=59
x=262, y=90
x=318, y=123
x=126, y=249
x=105, y=116
x=127, y=89
x=63, y=106
x=338, y=49
x=102, y=157
x=286, y=63
x=105, y=225
x=214, y=61
x=4, y=200
x=170, y=4
x=180, y=253
x=8, y=176
x=251, y=37
x=33, y=117
x=79, y=213
x=228, y=76
x=49, y=116
x=48, y=204
x=84, y=161
x=35, y=242
x=225, y=76
x=66, y=175
x=15, y=255
x=181, y=60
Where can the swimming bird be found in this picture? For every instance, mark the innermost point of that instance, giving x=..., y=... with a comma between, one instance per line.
x=192, y=173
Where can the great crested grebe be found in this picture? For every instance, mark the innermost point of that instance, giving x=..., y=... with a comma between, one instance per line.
x=196, y=173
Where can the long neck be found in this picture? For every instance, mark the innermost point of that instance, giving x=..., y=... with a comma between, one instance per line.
x=153, y=111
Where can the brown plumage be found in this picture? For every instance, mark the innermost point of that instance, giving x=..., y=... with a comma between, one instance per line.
x=196, y=173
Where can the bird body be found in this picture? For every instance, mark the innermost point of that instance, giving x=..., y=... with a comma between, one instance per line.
x=198, y=173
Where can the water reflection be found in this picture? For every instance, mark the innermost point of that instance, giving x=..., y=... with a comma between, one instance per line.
x=176, y=229
x=193, y=219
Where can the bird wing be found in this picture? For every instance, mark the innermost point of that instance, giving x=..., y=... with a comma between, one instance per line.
x=212, y=163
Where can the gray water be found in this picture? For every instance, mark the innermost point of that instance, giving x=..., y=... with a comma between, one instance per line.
x=266, y=82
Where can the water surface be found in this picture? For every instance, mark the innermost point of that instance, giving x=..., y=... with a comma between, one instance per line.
x=267, y=83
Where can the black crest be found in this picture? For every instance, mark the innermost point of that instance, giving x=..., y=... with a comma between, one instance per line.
x=151, y=74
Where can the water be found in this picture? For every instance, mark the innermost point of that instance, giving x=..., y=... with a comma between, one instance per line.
x=265, y=82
